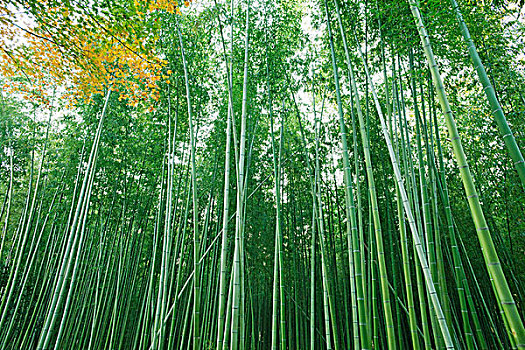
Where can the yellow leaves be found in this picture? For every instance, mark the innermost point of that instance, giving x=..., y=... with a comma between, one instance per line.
x=166, y=5
x=163, y=5
x=85, y=57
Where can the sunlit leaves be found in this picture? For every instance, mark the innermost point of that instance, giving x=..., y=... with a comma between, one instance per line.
x=83, y=51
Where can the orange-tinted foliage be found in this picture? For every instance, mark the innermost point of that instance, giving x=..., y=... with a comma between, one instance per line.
x=83, y=52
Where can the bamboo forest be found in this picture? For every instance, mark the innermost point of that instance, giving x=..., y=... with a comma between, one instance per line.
x=262, y=174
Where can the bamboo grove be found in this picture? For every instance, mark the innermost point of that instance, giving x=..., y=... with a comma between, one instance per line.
x=334, y=174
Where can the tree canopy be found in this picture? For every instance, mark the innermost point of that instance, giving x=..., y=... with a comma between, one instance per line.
x=343, y=174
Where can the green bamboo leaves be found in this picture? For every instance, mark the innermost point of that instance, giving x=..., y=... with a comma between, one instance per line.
x=496, y=110
x=290, y=188
x=500, y=286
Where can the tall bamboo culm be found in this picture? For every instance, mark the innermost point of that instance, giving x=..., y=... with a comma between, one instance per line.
x=499, y=282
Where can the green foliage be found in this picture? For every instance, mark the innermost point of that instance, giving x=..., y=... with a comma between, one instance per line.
x=133, y=220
